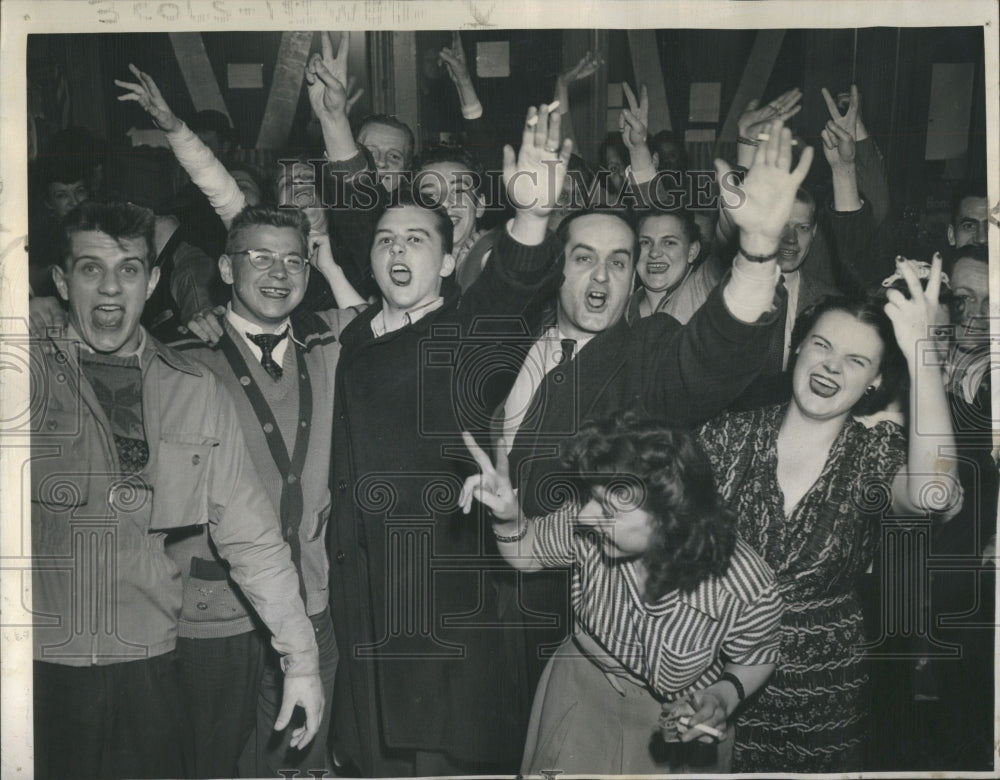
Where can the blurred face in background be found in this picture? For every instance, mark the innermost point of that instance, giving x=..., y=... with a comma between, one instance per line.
x=970, y=304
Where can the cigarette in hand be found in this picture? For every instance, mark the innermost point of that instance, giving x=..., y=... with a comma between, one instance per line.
x=712, y=732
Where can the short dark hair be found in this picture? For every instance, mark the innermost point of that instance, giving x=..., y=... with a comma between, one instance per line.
x=666, y=468
x=268, y=216
x=967, y=189
x=612, y=141
x=118, y=220
x=404, y=196
x=691, y=230
x=562, y=232
x=979, y=252
x=453, y=153
x=870, y=311
x=392, y=121
x=663, y=139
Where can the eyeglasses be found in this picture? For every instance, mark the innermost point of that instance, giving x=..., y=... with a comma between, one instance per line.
x=263, y=259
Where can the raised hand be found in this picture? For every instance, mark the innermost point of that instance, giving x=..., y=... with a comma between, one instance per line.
x=585, y=68
x=755, y=117
x=148, y=96
x=763, y=202
x=327, y=81
x=534, y=176
x=914, y=319
x=454, y=61
x=839, y=146
x=850, y=119
x=491, y=486
x=634, y=120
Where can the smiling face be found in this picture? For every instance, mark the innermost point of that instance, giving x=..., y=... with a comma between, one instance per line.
x=451, y=185
x=264, y=297
x=597, y=275
x=408, y=258
x=839, y=358
x=970, y=309
x=627, y=530
x=389, y=148
x=797, y=237
x=664, y=252
x=971, y=223
x=106, y=282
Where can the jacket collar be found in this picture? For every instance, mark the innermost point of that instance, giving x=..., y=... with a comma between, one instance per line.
x=149, y=348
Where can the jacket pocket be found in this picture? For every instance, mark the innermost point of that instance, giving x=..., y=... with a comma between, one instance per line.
x=180, y=494
x=60, y=465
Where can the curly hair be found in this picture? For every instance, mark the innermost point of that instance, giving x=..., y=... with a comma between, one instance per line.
x=694, y=534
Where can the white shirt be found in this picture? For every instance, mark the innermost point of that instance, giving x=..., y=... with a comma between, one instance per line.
x=379, y=327
x=544, y=355
x=792, y=284
x=243, y=327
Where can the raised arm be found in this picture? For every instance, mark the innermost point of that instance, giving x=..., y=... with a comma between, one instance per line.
x=515, y=534
x=929, y=480
x=454, y=61
x=534, y=176
x=329, y=95
x=634, y=125
x=204, y=168
x=759, y=208
x=839, y=147
x=588, y=65
x=754, y=121
x=321, y=256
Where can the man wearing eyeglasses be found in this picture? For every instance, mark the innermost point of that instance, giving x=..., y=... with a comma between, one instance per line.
x=279, y=367
x=132, y=442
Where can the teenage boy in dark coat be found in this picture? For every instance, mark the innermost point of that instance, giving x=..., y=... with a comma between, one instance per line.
x=423, y=686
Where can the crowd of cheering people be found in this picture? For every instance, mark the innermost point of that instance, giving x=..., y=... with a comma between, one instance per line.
x=416, y=470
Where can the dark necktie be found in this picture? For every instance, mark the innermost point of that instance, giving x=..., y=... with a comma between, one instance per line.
x=566, y=347
x=267, y=342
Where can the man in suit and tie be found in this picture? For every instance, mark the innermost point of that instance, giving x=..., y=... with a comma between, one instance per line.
x=591, y=362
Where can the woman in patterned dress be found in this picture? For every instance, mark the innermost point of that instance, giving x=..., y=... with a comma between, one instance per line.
x=809, y=485
x=673, y=614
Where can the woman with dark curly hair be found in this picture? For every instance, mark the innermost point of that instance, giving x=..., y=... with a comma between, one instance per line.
x=673, y=614
x=809, y=485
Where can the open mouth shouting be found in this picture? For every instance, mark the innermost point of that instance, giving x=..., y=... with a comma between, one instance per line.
x=400, y=274
x=823, y=386
x=108, y=315
x=596, y=300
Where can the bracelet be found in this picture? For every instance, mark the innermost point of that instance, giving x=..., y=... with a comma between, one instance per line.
x=521, y=533
x=758, y=258
x=747, y=141
x=729, y=677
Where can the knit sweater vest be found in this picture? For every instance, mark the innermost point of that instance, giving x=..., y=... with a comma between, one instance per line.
x=320, y=356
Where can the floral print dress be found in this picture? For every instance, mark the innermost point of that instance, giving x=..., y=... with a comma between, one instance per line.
x=810, y=717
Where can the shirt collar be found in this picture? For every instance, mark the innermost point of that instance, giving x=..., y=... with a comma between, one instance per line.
x=415, y=314
x=243, y=326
